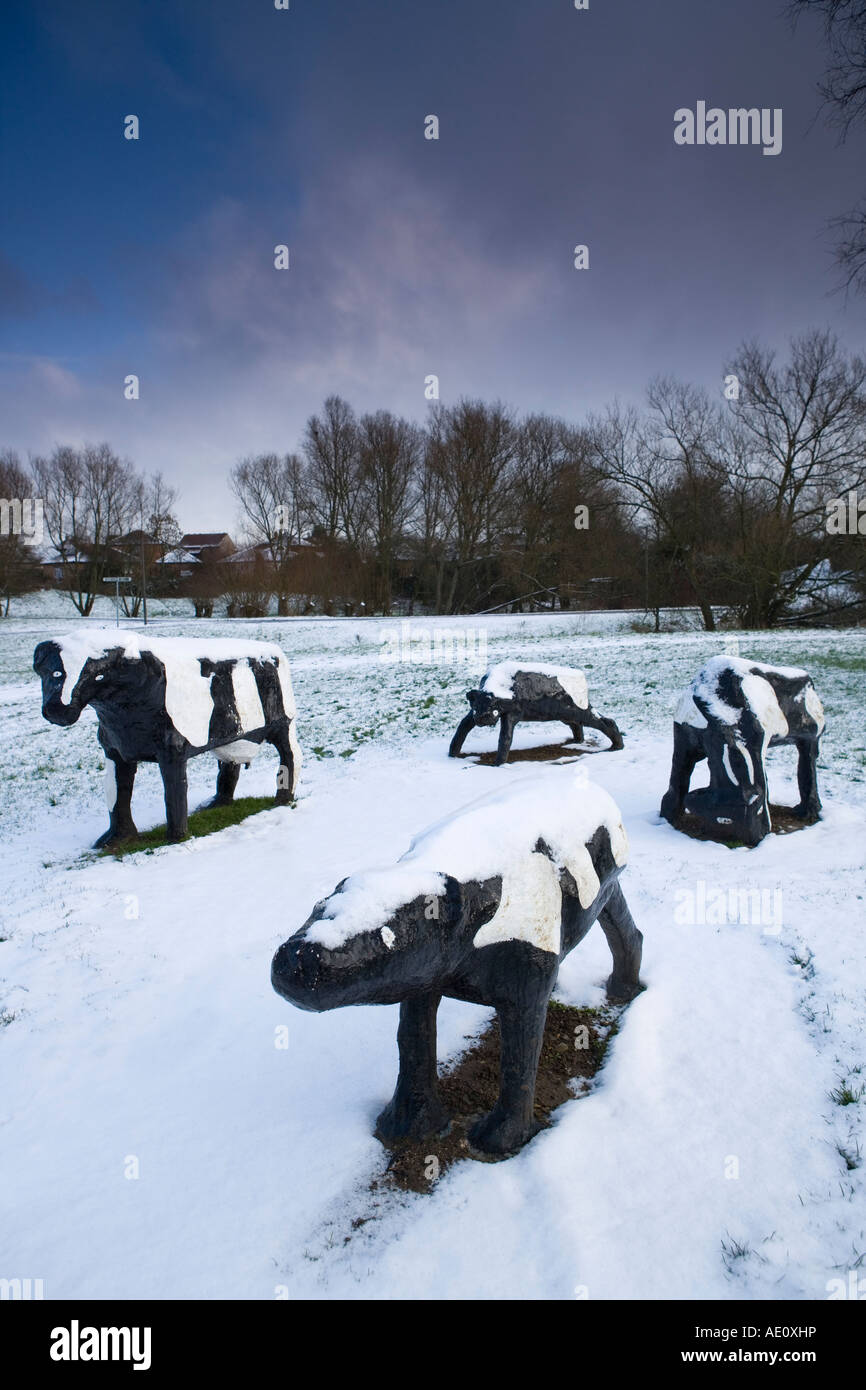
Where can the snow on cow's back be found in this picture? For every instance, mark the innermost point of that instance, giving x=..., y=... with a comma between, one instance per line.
x=499, y=680
x=188, y=699
x=494, y=836
x=757, y=689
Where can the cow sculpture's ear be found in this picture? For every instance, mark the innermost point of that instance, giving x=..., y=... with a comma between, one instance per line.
x=472, y=903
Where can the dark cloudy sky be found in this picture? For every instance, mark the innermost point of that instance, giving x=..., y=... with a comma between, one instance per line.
x=409, y=256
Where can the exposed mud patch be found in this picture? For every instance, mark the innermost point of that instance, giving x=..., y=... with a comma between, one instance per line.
x=783, y=823
x=575, y=1042
x=567, y=752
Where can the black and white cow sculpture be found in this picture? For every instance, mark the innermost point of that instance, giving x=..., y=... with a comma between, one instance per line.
x=732, y=711
x=482, y=907
x=516, y=691
x=165, y=700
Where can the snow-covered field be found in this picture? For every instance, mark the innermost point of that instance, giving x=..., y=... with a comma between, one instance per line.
x=170, y=1128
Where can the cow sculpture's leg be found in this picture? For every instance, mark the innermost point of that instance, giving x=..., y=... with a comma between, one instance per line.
x=511, y=1122
x=466, y=725
x=507, y=724
x=119, y=779
x=754, y=789
x=607, y=727
x=687, y=754
x=626, y=947
x=576, y=732
x=286, y=777
x=227, y=780
x=174, y=783
x=415, y=1109
x=809, y=807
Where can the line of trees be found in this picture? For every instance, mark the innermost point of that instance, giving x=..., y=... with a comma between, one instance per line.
x=99, y=517
x=716, y=501
x=473, y=511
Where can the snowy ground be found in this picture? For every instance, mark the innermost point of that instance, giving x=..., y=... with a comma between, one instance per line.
x=713, y=1157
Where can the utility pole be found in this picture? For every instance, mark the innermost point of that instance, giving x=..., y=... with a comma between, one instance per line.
x=116, y=580
x=143, y=581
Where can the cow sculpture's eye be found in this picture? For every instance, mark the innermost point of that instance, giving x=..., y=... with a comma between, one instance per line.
x=99, y=678
x=56, y=675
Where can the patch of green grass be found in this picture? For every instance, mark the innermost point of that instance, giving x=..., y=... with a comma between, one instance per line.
x=840, y=661
x=846, y=1095
x=208, y=821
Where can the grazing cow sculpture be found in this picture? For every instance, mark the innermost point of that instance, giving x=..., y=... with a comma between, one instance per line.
x=482, y=907
x=165, y=700
x=515, y=691
x=732, y=711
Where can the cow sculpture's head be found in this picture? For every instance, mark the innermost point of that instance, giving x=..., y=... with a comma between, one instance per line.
x=486, y=708
x=65, y=693
x=403, y=954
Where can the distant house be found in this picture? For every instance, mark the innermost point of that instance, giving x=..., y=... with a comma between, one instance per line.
x=178, y=563
x=134, y=547
x=56, y=563
x=208, y=546
x=259, y=554
x=197, y=550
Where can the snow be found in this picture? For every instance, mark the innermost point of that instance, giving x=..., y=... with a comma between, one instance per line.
x=499, y=680
x=762, y=699
x=814, y=706
x=493, y=836
x=757, y=690
x=110, y=784
x=530, y=909
x=137, y=1019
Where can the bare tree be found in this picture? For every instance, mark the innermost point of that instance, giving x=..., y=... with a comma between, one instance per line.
x=843, y=91
x=471, y=450
x=246, y=587
x=667, y=468
x=19, y=569
x=91, y=500
x=389, y=458
x=270, y=492
x=431, y=536
x=156, y=533
x=333, y=477
x=541, y=454
x=799, y=442
x=550, y=554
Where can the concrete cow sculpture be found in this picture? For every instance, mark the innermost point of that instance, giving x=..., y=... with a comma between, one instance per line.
x=732, y=711
x=482, y=907
x=515, y=691
x=165, y=700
